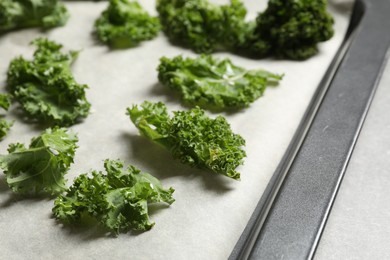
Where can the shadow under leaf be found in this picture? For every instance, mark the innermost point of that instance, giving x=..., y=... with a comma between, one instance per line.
x=162, y=165
x=172, y=96
x=88, y=228
x=15, y=197
x=3, y=184
x=85, y=230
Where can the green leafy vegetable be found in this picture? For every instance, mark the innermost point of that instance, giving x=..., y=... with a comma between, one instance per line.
x=45, y=86
x=15, y=14
x=192, y=137
x=41, y=167
x=5, y=126
x=286, y=29
x=290, y=29
x=118, y=200
x=125, y=24
x=5, y=101
x=213, y=83
x=203, y=26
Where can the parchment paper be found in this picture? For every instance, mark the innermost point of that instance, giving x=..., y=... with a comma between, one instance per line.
x=210, y=211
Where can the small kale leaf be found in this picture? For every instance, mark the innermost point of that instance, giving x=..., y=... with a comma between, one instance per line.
x=118, y=199
x=212, y=83
x=5, y=126
x=125, y=24
x=5, y=101
x=192, y=137
x=15, y=14
x=45, y=86
x=41, y=167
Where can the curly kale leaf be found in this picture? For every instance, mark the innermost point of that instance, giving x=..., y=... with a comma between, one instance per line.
x=212, y=83
x=45, y=86
x=192, y=137
x=41, y=167
x=291, y=29
x=118, y=200
x=5, y=101
x=201, y=25
x=5, y=126
x=15, y=14
x=125, y=24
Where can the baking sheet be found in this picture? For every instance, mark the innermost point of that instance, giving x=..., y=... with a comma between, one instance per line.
x=210, y=211
x=358, y=226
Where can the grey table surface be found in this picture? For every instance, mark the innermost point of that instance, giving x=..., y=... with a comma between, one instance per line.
x=359, y=223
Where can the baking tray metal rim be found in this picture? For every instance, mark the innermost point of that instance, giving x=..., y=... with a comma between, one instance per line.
x=292, y=212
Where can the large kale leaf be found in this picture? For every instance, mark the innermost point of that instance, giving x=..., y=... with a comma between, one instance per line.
x=192, y=137
x=41, y=167
x=118, y=199
x=212, y=83
x=45, y=86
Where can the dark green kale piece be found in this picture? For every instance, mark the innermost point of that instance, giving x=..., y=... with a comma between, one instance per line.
x=212, y=83
x=290, y=29
x=203, y=26
x=192, y=137
x=118, y=199
x=15, y=14
x=41, y=167
x=5, y=126
x=5, y=101
x=45, y=86
x=125, y=24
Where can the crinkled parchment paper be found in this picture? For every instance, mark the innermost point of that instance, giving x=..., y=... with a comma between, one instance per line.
x=210, y=211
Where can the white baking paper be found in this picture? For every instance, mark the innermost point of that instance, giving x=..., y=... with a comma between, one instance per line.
x=210, y=211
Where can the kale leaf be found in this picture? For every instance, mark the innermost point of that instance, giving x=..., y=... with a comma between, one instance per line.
x=41, y=167
x=118, y=200
x=290, y=29
x=5, y=126
x=286, y=29
x=15, y=14
x=192, y=137
x=45, y=86
x=201, y=25
x=5, y=101
x=125, y=24
x=212, y=83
